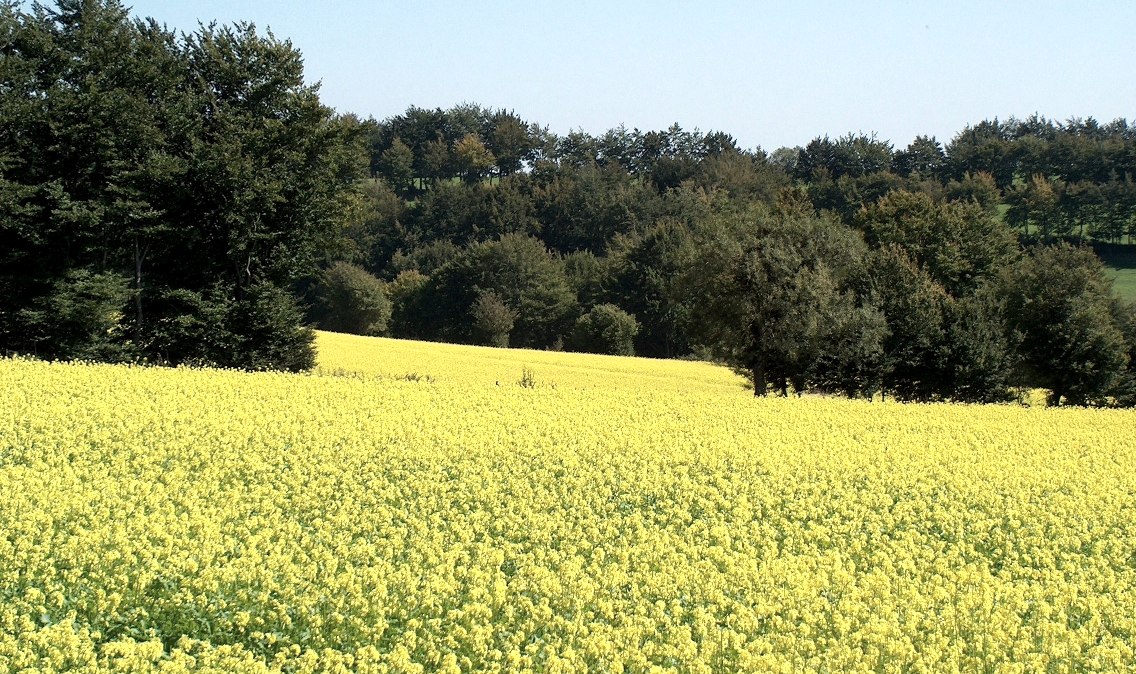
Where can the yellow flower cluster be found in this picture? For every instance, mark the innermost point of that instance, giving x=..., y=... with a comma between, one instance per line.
x=413, y=508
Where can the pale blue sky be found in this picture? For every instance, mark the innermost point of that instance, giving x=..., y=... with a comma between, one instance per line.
x=770, y=73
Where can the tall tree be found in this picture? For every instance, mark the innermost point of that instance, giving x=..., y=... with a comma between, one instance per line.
x=509, y=140
x=473, y=158
x=202, y=169
x=776, y=299
x=924, y=157
x=397, y=165
x=982, y=147
x=959, y=243
x=1036, y=202
x=521, y=273
x=1060, y=307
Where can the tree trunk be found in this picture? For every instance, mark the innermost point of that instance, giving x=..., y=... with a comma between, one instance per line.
x=139, y=257
x=759, y=382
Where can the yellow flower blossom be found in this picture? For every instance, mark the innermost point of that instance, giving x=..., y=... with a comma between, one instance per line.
x=410, y=507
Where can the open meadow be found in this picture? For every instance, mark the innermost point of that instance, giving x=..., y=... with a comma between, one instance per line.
x=414, y=507
x=1120, y=266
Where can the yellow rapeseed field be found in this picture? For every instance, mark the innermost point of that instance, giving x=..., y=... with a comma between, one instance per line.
x=412, y=507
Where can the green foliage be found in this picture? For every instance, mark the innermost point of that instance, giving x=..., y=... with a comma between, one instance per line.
x=82, y=317
x=268, y=331
x=851, y=155
x=913, y=305
x=647, y=273
x=425, y=259
x=510, y=142
x=261, y=330
x=605, y=328
x=958, y=243
x=348, y=299
x=1034, y=202
x=199, y=167
x=584, y=209
x=408, y=297
x=397, y=166
x=776, y=298
x=1123, y=392
x=493, y=320
x=924, y=157
x=521, y=272
x=979, y=359
x=590, y=276
x=375, y=229
x=1060, y=309
x=742, y=175
x=977, y=187
x=473, y=159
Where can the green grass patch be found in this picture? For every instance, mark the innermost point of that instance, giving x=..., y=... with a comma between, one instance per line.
x=1120, y=261
x=1124, y=283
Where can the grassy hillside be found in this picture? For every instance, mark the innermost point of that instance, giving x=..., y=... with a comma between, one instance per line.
x=620, y=515
x=1121, y=264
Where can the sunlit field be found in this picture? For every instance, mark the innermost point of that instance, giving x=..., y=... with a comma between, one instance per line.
x=479, y=366
x=414, y=507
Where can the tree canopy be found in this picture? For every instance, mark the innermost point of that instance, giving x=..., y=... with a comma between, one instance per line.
x=187, y=198
x=169, y=186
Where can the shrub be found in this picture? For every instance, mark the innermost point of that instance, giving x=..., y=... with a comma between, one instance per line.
x=492, y=320
x=348, y=299
x=605, y=329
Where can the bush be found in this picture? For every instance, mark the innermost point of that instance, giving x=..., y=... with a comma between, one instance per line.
x=263, y=330
x=82, y=317
x=492, y=320
x=268, y=330
x=348, y=299
x=407, y=297
x=605, y=329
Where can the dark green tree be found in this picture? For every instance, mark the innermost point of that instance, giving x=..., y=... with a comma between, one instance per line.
x=978, y=359
x=605, y=328
x=984, y=147
x=200, y=167
x=584, y=209
x=913, y=305
x=85, y=316
x=473, y=158
x=425, y=259
x=396, y=165
x=776, y=299
x=510, y=141
x=1123, y=392
x=1036, y=202
x=409, y=303
x=1060, y=309
x=958, y=243
x=852, y=155
x=348, y=299
x=646, y=273
x=590, y=276
x=924, y=157
x=742, y=175
x=521, y=273
x=977, y=187
x=492, y=319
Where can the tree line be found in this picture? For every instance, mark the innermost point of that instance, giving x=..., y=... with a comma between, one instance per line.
x=160, y=194
x=188, y=199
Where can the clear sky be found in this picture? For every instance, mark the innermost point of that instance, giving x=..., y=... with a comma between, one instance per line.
x=770, y=73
